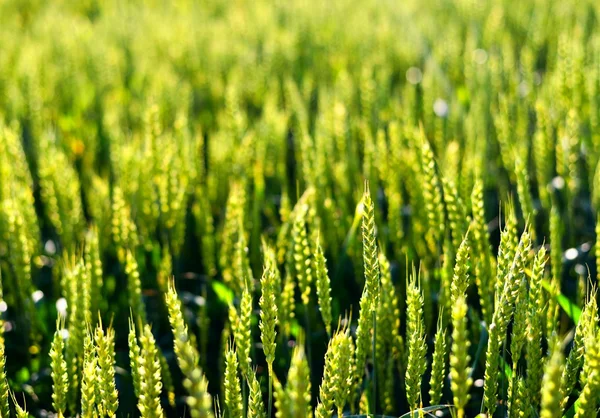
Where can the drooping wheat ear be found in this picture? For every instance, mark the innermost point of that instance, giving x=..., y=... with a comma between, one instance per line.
x=509, y=240
x=483, y=253
x=461, y=278
x=575, y=359
x=233, y=394
x=199, y=400
x=323, y=286
x=298, y=388
x=256, y=407
x=502, y=315
x=432, y=194
x=415, y=334
x=109, y=397
x=301, y=254
x=149, y=376
x=134, y=288
x=459, y=356
x=4, y=389
x=60, y=376
x=535, y=318
x=590, y=395
x=518, y=339
x=438, y=366
x=550, y=404
x=556, y=268
x=88, y=380
x=94, y=265
x=268, y=306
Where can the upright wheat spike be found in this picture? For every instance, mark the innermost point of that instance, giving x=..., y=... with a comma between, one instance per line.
x=575, y=359
x=438, y=366
x=482, y=253
x=323, y=287
x=501, y=318
x=88, y=381
x=298, y=386
x=268, y=314
x=199, y=400
x=4, y=389
x=233, y=394
x=550, y=407
x=535, y=317
x=60, y=376
x=590, y=395
x=417, y=349
x=109, y=396
x=242, y=332
x=459, y=356
x=256, y=408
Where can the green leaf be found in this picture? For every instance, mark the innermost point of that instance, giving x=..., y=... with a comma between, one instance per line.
x=507, y=368
x=571, y=412
x=571, y=309
x=224, y=293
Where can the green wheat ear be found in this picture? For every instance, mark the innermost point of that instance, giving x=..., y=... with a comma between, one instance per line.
x=198, y=400
x=233, y=394
x=370, y=257
x=109, y=396
x=60, y=376
x=535, y=318
x=417, y=348
x=242, y=331
x=21, y=411
x=438, y=367
x=4, y=388
x=550, y=404
x=459, y=357
x=256, y=408
x=483, y=259
x=589, y=397
x=150, y=379
x=301, y=254
x=270, y=287
x=323, y=286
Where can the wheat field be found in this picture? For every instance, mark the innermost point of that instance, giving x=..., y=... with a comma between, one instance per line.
x=298, y=209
